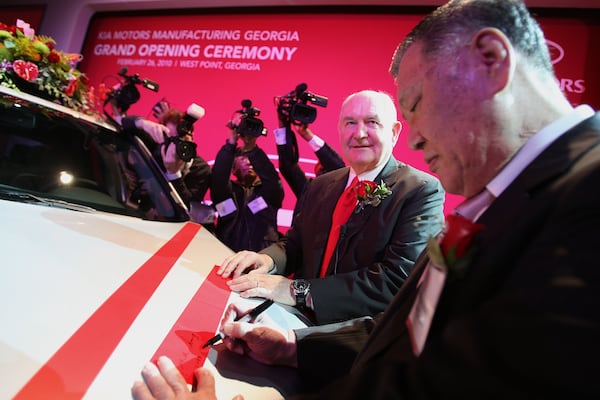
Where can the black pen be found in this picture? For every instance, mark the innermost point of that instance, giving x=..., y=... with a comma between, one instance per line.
x=249, y=316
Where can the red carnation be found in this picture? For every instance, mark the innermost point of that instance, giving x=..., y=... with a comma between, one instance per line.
x=457, y=238
x=53, y=57
x=363, y=188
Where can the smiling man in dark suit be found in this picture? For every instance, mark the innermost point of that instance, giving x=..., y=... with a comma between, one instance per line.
x=517, y=316
x=377, y=244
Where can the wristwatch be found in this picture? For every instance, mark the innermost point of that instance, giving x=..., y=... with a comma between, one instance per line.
x=300, y=289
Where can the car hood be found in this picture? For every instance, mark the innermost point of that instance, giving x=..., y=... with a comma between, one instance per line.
x=88, y=298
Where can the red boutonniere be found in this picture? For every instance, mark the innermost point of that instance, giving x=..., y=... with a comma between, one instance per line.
x=370, y=193
x=454, y=250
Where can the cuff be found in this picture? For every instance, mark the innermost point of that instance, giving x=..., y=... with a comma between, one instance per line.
x=172, y=177
x=316, y=143
x=280, y=135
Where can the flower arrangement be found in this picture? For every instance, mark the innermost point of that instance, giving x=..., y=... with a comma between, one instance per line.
x=454, y=251
x=31, y=63
x=368, y=193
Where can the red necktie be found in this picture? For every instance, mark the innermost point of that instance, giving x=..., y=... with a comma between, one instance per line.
x=343, y=209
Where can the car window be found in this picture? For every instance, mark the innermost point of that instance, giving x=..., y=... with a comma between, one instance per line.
x=54, y=155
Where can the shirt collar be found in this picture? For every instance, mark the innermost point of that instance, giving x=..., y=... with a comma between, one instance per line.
x=535, y=145
x=366, y=176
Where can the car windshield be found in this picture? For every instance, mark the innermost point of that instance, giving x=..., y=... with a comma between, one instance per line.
x=52, y=156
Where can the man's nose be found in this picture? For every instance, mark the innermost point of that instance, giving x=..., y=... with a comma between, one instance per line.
x=361, y=130
x=415, y=140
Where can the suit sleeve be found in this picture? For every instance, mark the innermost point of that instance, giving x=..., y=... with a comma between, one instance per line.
x=329, y=158
x=326, y=352
x=290, y=170
x=272, y=190
x=220, y=187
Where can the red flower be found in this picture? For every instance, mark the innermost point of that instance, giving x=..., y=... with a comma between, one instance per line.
x=457, y=237
x=369, y=193
x=53, y=57
x=26, y=70
x=363, y=188
x=72, y=86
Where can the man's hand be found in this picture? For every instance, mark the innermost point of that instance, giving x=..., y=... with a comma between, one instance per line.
x=302, y=130
x=274, y=287
x=160, y=109
x=166, y=383
x=243, y=261
x=171, y=160
x=263, y=340
x=154, y=129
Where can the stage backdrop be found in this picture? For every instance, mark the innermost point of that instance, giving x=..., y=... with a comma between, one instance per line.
x=218, y=58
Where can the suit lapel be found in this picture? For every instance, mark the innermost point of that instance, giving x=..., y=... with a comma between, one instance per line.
x=357, y=220
x=329, y=191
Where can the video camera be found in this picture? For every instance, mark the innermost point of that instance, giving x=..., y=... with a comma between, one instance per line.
x=126, y=93
x=185, y=149
x=294, y=104
x=249, y=125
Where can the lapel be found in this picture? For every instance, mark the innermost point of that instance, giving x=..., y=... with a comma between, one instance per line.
x=331, y=192
x=357, y=220
x=315, y=215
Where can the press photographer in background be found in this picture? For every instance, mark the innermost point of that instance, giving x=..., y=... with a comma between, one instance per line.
x=184, y=168
x=171, y=143
x=247, y=205
x=294, y=115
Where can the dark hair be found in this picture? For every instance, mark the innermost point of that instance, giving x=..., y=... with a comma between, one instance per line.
x=448, y=26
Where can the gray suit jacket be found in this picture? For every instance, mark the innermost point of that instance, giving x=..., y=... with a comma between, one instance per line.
x=377, y=246
x=524, y=321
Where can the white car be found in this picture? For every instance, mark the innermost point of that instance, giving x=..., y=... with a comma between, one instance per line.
x=101, y=269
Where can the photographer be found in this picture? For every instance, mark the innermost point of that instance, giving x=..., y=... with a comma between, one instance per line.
x=247, y=205
x=189, y=173
x=294, y=120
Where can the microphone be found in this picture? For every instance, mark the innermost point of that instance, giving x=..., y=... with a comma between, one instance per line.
x=301, y=88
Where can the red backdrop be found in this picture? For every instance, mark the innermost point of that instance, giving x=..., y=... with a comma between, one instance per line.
x=218, y=59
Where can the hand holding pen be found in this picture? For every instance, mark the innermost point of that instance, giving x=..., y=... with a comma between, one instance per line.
x=265, y=341
x=245, y=317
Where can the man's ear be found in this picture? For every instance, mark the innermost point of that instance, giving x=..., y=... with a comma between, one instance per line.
x=496, y=56
x=396, y=129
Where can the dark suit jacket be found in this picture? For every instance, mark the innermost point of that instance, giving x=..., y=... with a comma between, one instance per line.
x=523, y=323
x=377, y=247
